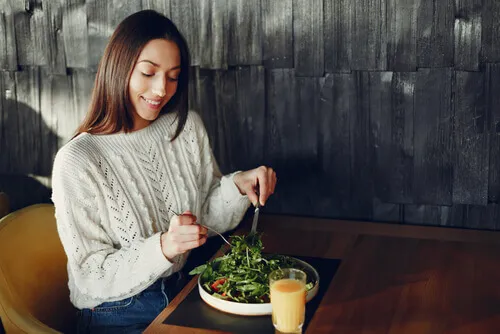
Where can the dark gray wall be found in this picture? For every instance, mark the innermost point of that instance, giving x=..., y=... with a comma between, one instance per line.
x=383, y=110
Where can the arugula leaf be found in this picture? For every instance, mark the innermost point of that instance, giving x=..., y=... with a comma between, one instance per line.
x=244, y=271
x=198, y=270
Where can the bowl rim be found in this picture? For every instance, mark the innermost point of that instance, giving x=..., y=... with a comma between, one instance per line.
x=311, y=293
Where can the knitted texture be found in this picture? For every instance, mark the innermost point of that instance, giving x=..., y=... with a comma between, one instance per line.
x=115, y=194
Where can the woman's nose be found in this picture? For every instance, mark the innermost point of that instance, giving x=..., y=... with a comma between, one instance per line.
x=159, y=87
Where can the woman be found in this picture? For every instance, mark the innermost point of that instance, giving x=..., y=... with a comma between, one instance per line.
x=137, y=161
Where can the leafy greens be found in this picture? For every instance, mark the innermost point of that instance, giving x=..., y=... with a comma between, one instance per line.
x=242, y=274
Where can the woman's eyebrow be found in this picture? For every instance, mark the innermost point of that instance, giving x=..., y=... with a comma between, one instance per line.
x=155, y=64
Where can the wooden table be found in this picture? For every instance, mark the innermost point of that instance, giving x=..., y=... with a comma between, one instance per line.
x=393, y=278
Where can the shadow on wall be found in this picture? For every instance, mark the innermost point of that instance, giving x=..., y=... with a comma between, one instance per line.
x=27, y=150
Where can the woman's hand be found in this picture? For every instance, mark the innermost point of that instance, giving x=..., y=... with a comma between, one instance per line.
x=183, y=234
x=262, y=179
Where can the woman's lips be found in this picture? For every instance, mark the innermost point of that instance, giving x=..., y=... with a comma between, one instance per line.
x=151, y=103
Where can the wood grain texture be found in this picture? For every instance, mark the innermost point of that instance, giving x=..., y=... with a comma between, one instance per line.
x=8, y=53
x=49, y=140
x=280, y=85
x=490, y=32
x=306, y=224
x=186, y=15
x=245, y=32
x=433, y=159
x=401, y=152
x=292, y=137
x=81, y=83
x=369, y=35
x=213, y=34
x=337, y=100
x=308, y=37
x=277, y=31
x=484, y=217
x=470, y=169
x=434, y=215
x=76, y=41
x=402, y=31
x=387, y=212
x=416, y=276
x=9, y=143
x=98, y=30
x=492, y=87
x=56, y=51
x=416, y=286
x=362, y=176
x=29, y=119
x=225, y=104
x=468, y=29
x=241, y=110
x=30, y=24
x=380, y=96
x=56, y=112
x=102, y=19
x=119, y=10
x=435, y=33
x=338, y=26
x=202, y=100
x=161, y=6
x=248, y=124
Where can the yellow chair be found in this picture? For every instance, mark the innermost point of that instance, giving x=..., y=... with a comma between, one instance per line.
x=34, y=295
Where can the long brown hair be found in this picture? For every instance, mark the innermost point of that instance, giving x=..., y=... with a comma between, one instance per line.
x=110, y=109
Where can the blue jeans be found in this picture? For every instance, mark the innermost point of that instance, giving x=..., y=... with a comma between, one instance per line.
x=133, y=314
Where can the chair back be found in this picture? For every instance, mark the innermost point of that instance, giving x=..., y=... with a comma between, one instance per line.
x=34, y=294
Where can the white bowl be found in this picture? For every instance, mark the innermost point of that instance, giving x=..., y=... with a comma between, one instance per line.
x=255, y=308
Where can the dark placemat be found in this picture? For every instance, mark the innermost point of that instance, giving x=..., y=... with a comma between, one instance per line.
x=195, y=313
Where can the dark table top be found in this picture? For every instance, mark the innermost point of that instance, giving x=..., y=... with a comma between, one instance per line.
x=392, y=279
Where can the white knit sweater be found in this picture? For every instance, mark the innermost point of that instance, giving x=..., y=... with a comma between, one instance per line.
x=115, y=194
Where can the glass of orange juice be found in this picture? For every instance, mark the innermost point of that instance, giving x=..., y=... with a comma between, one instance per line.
x=288, y=299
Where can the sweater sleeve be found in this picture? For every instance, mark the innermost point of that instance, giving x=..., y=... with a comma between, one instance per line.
x=223, y=207
x=102, y=271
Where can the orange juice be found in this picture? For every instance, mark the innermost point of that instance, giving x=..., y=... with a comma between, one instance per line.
x=288, y=299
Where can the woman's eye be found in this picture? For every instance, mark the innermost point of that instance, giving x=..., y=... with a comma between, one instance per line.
x=173, y=79
x=147, y=74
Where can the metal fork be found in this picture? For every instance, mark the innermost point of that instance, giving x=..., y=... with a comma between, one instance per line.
x=211, y=229
x=220, y=235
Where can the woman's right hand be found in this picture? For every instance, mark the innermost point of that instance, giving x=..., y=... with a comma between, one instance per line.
x=183, y=234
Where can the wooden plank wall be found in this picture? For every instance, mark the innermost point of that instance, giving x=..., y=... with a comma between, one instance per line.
x=383, y=110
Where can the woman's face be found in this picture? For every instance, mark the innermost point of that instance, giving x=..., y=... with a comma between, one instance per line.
x=154, y=80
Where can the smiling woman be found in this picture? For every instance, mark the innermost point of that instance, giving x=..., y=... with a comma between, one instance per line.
x=154, y=80
x=138, y=157
x=147, y=53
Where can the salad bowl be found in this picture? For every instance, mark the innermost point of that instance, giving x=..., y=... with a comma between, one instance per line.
x=263, y=308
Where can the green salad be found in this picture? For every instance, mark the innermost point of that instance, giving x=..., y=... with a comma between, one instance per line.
x=242, y=274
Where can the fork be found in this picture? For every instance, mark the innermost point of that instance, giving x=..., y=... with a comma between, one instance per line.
x=211, y=229
x=220, y=235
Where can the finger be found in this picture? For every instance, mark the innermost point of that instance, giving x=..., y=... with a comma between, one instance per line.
x=185, y=246
x=187, y=219
x=263, y=185
x=183, y=238
x=274, y=181
x=174, y=222
x=252, y=196
x=270, y=173
x=193, y=229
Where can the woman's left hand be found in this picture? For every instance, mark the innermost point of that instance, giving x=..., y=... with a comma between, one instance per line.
x=262, y=179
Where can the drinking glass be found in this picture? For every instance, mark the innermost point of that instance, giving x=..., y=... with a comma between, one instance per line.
x=288, y=299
